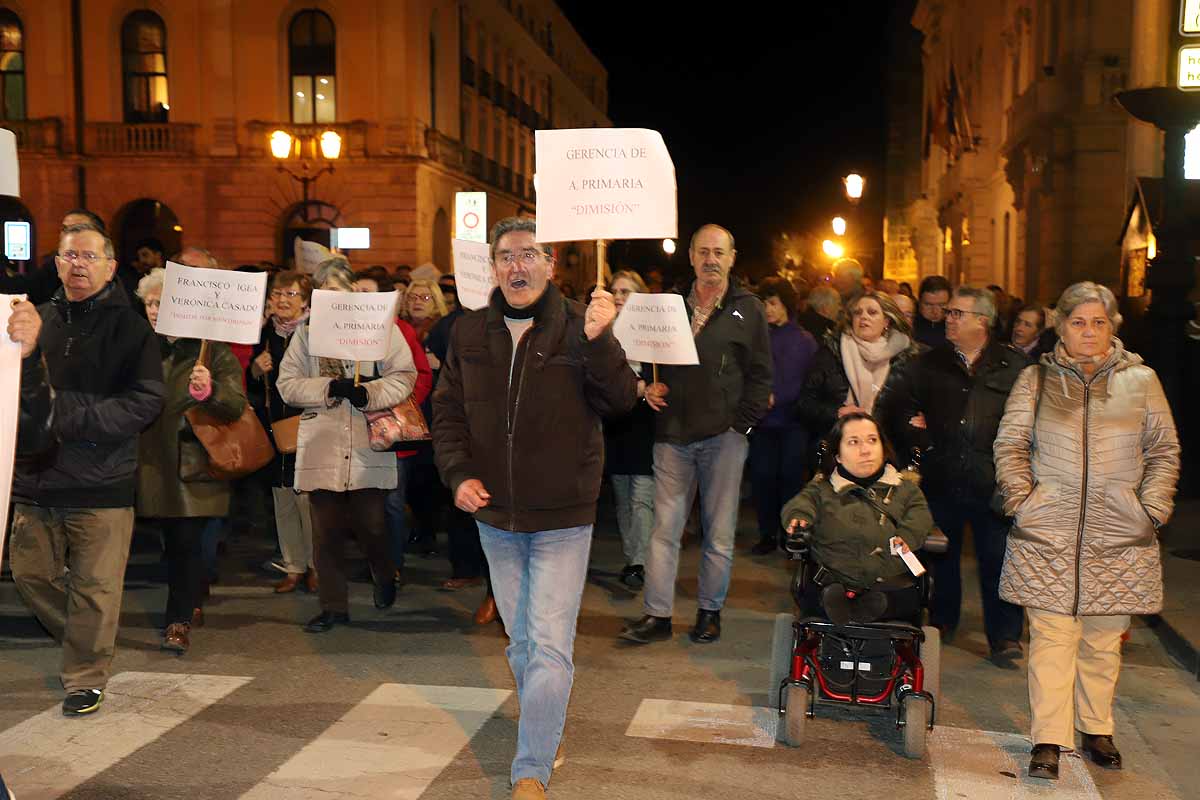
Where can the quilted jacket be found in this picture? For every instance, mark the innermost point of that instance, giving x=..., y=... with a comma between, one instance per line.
x=1089, y=475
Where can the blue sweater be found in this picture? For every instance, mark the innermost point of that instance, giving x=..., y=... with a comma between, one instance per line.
x=792, y=351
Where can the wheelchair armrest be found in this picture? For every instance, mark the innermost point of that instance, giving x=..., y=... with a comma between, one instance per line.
x=936, y=542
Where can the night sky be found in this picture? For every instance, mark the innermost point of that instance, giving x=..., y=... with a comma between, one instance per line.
x=764, y=108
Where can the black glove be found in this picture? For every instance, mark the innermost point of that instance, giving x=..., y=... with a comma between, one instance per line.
x=798, y=540
x=344, y=387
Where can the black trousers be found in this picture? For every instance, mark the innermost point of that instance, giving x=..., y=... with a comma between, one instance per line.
x=903, y=603
x=183, y=540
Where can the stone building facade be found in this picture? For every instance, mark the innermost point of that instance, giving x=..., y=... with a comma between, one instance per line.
x=157, y=114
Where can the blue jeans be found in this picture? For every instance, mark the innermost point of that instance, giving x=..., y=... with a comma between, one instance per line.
x=635, y=514
x=714, y=465
x=397, y=522
x=777, y=461
x=1002, y=620
x=538, y=582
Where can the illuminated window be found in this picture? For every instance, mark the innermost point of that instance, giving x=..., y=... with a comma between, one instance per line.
x=312, y=58
x=12, y=66
x=144, y=59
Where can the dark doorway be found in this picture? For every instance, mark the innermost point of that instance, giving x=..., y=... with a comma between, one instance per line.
x=146, y=219
x=311, y=221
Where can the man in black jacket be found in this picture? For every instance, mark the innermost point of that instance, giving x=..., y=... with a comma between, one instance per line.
x=930, y=323
x=517, y=439
x=73, y=515
x=955, y=395
x=701, y=438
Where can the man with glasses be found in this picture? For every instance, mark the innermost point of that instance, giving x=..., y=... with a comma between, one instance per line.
x=517, y=439
x=73, y=510
x=932, y=299
x=954, y=397
x=702, y=437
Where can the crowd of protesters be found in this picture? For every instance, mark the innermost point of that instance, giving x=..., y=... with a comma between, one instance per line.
x=944, y=374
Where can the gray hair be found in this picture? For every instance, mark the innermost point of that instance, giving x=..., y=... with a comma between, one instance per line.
x=848, y=266
x=516, y=225
x=152, y=281
x=985, y=302
x=85, y=227
x=711, y=226
x=824, y=299
x=336, y=268
x=209, y=259
x=1085, y=292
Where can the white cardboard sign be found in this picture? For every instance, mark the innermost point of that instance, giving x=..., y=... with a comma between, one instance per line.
x=10, y=400
x=214, y=304
x=470, y=211
x=604, y=183
x=473, y=275
x=354, y=326
x=10, y=169
x=654, y=329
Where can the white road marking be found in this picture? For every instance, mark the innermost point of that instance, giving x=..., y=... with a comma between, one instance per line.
x=49, y=755
x=393, y=744
x=713, y=723
x=983, y=765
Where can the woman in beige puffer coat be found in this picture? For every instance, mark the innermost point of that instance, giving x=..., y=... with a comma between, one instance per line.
x=1086, y=460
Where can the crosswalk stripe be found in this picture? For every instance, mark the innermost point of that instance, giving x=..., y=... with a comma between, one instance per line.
x=393, y=744
x=48, y=755
x=983, y=765
x=710, y=723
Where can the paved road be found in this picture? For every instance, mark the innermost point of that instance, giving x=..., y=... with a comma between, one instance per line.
x=258, y=709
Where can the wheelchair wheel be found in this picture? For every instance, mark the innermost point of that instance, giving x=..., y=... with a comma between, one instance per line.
x=783, y=640
x=797, y=715
x=916, y=726
x=931, y=659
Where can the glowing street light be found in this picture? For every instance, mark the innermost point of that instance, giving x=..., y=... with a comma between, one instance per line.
x=281, y=144
x=669, y=246
x=331, y=145
x=833, y=249
x=854, y=186
x=839, y=226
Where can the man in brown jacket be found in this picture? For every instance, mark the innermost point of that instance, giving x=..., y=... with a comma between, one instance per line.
x=517, y=439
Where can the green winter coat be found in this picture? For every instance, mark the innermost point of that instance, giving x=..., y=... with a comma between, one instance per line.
x=169, y=441
x=851, y=526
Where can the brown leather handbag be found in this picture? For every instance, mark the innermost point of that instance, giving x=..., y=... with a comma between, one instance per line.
x=286, y=433
x=234, y=448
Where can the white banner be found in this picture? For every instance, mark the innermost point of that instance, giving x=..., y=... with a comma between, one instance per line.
x=473, y=275
x=354, y=326
x=10, y=402
x=10, y=169
x=654, y=328
x=604, y=183
x=214, y=304
x=470, y=211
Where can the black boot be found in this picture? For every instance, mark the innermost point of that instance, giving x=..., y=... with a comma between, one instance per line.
x=1043, y=762
x=1102, y=750
x=325, y=621
x=648, y=629
x=707, y=628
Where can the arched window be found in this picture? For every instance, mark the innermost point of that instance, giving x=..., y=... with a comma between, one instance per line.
x=312, y=56
x=12, y=66
x=144, y=58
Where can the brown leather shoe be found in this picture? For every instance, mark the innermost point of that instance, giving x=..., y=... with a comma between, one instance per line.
x=487, y=612
x=176, y=638
x=528, y=789
x=197, y=617
x=454, y=584
x=310, y=581
x=290, y=583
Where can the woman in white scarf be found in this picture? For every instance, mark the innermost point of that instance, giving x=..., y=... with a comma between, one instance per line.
x=857, y=363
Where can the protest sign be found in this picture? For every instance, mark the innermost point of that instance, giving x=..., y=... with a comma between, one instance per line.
x=10, y=400
x=654, y=328
x=473, y=276
x=470, y=210
x=604, y=183
x=10, y=170
x=216, y=304
x=354, y=326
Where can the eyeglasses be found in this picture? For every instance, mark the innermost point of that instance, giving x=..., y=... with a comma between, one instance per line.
x=424, y=297
x=285, y=293
x=86, y=258
x=957, y=313
x=528, y=256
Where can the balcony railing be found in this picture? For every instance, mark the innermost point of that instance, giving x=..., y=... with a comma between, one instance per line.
x=443, y=149
x=354, y=135
x=126, y=139
x=1044, y=98
x=37, y=135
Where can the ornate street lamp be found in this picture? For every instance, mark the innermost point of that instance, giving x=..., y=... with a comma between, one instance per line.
x=285, y=146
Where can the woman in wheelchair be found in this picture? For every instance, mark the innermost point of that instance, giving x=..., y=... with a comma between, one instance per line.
x=857, y=516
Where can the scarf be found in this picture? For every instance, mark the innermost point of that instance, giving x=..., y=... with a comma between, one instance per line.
x=284, y=330
x=867, y=482
x=867, y=364
x=528, y=312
